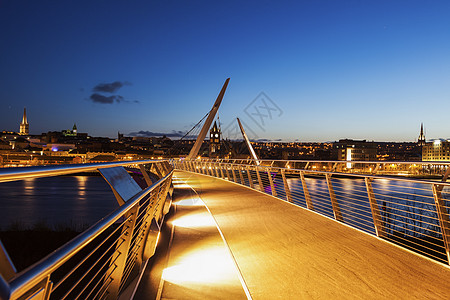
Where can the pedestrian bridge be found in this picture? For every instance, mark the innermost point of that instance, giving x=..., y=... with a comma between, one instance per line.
x=238, y=230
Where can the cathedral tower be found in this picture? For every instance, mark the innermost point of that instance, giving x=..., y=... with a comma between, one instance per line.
x=214, y=141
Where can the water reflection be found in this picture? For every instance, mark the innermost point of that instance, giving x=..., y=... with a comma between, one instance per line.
x=62, y=200
x=82, y=186
x=28, y=186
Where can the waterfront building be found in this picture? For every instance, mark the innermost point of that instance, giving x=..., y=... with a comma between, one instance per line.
x=24, y=126
x=436, y=150
x=348, y=149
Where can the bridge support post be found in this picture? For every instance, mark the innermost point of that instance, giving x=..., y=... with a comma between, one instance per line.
x=272, y=185
x=241, y=176
x=308, y=201
x=443, y=216
x=336, y=210
x=261, y=186
x=377, y=221
x=250, y=180
x=145, y=174
x=286, y=186
x=155, y=169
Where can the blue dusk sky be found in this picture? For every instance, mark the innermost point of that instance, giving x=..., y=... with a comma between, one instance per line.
x=300, y=70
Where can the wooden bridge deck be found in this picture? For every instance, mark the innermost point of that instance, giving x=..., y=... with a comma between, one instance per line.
x=287, y=252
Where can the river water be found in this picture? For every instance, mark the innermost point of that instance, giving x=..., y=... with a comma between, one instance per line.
x=55, y=201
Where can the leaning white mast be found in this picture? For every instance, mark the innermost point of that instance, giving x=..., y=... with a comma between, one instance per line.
x=205, y=128
x=247, y=141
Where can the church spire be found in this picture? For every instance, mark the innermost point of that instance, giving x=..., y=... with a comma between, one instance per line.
x=24, y=118
x=24, y=126
x=421, y=141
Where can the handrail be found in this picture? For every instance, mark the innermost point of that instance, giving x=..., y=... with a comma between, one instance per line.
x=19, y=173
x=396, y=168
x=411, y=212
x=389, y=162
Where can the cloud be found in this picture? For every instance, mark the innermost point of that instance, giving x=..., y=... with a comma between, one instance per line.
x=110, y=87
x=97, y=98
x=145, y=133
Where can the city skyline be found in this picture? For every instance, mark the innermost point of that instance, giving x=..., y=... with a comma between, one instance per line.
x=328, y=70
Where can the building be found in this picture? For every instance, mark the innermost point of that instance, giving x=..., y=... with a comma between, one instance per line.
x=437, y=150
x=24, y=126
x=352, y=150
x=214, y=141
x=356, y=150
x=421, y=140
x=72, y=132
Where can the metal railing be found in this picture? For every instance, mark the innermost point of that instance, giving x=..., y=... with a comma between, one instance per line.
x=396, y=168
x=103, y=261
x=410, y=212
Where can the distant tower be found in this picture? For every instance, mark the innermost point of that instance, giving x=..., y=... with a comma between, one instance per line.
x=421, y=141
x=24, y=126
x=74, y=129
x=214, y=141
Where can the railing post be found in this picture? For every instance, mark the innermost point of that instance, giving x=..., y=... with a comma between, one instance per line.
x=336, y=210
x=203, y=167
x=377, y=221
x=211, y=170
x=272, y=185
x=308, y=201
x=286, y=186
x=207, y=168
x=261, y=186
x=120, y=257
x=234, y=173
x=228, y=173
x=221, y=171
x=241, y=176
x=250, y=180
x=443, y=216
x=217, y=170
